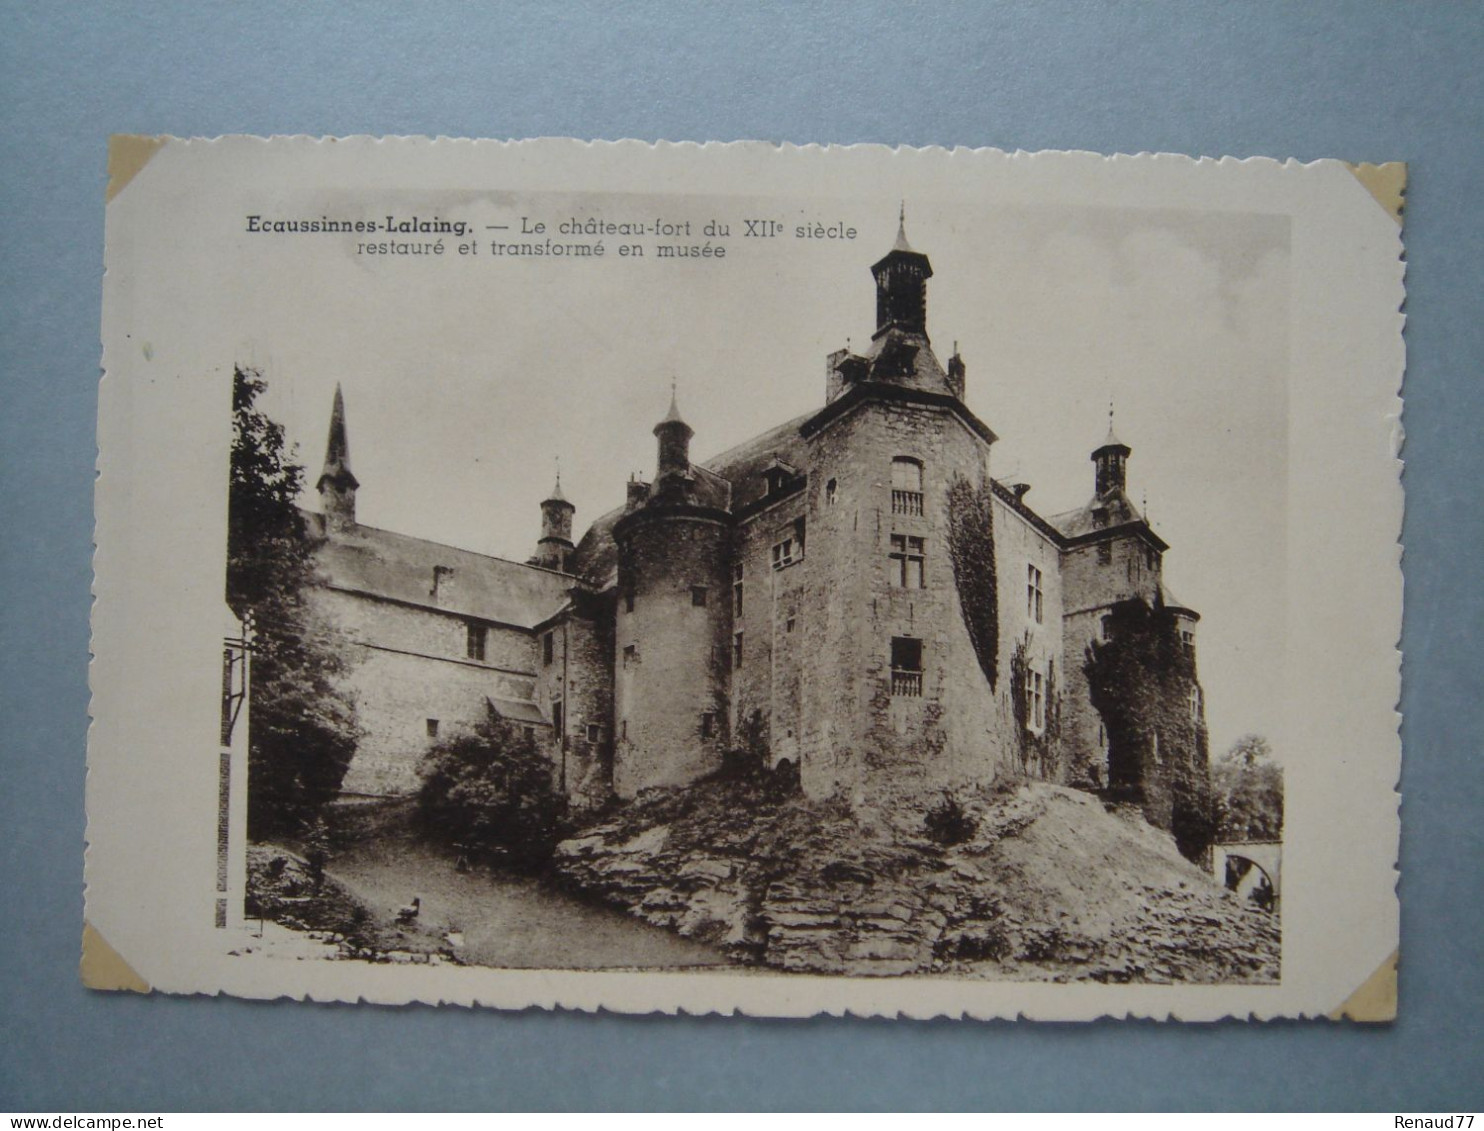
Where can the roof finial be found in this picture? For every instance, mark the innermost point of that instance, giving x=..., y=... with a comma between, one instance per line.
x=674, y=414
x=556, y=495
x=1112, y=438
x=902, y=244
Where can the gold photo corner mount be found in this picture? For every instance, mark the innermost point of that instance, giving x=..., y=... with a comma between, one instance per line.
x=127, y=155
x=1374, y=1000
x=103, y=968
x=1386, y=182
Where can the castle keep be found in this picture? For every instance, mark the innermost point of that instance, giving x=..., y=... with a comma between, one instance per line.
x=851, y=592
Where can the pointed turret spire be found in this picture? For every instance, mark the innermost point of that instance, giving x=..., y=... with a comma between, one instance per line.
x=337, y=483
x=1112, y=440
x=673, y=416
x=902, y=244
x=556, y=495
x=674, y=436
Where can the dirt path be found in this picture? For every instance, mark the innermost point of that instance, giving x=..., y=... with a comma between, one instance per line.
x=501, y=920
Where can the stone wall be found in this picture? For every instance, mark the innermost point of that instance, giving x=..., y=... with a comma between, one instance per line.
x=580, y=678
x=858, y=736
x=777, y=611
x=408, y=666
x=670, y=671
x=1018, y=546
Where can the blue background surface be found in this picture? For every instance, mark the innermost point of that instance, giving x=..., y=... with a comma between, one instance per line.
x=1362, y=81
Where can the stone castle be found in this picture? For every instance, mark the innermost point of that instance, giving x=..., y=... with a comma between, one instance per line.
x=850, y=592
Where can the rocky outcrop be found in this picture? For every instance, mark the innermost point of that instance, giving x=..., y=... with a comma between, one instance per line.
x=1049, y=885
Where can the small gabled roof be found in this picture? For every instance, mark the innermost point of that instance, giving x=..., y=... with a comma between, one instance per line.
x=517, y=710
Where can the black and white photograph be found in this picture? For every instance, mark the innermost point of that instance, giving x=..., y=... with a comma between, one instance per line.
x=740, y=578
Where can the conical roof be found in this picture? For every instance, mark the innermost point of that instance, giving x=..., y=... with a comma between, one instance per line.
x=337, y=446
x=902, y=244
x=673, y=417
x=556, y=495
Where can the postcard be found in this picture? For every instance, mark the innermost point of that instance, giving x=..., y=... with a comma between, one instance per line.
x=748, y=578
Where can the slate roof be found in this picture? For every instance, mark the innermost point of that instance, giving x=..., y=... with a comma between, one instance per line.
x=1174, y=603
x=399, y=567
x=745, y=466
x=517, y=710
x=595, y=559
x=1073, y=523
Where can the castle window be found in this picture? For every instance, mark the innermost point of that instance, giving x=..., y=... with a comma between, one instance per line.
x=1105, y=553
x=907, y=555
x=737, y=590
x=831, y=491
x=1187, y=637
x=432, y=727
x=698, y=596
x=594, y=732
x=623, y=729
x=784, y=554
x=1195, y=705
x=708, y=723
x=1035, y=700
x=557, y=730
x=1033, y=593
x=906, y=667
x=1106, y=625
x=788, y=625
x=548, y=648
x=474, y=636
x=906, y=486
x=737, y=650
x=530, y=733
x=630, y=655
x=628, y=601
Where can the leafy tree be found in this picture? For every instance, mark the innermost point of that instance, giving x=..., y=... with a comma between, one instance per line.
x=971, y=550
x=1249, y=791
x=490, y=792
x=302, y=723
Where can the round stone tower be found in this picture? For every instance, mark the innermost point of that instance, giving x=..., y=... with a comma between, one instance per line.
x=673, y=627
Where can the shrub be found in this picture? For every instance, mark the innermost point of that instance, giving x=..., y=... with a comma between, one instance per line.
x=948, y=822
x=490, y=792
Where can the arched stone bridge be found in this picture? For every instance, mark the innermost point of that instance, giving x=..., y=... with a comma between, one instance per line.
x=1251, y=862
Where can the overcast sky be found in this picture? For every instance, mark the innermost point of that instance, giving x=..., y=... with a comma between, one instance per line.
x=465, y=377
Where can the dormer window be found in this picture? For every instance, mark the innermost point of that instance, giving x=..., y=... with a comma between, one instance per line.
x=779, y=475
x=906, y=486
